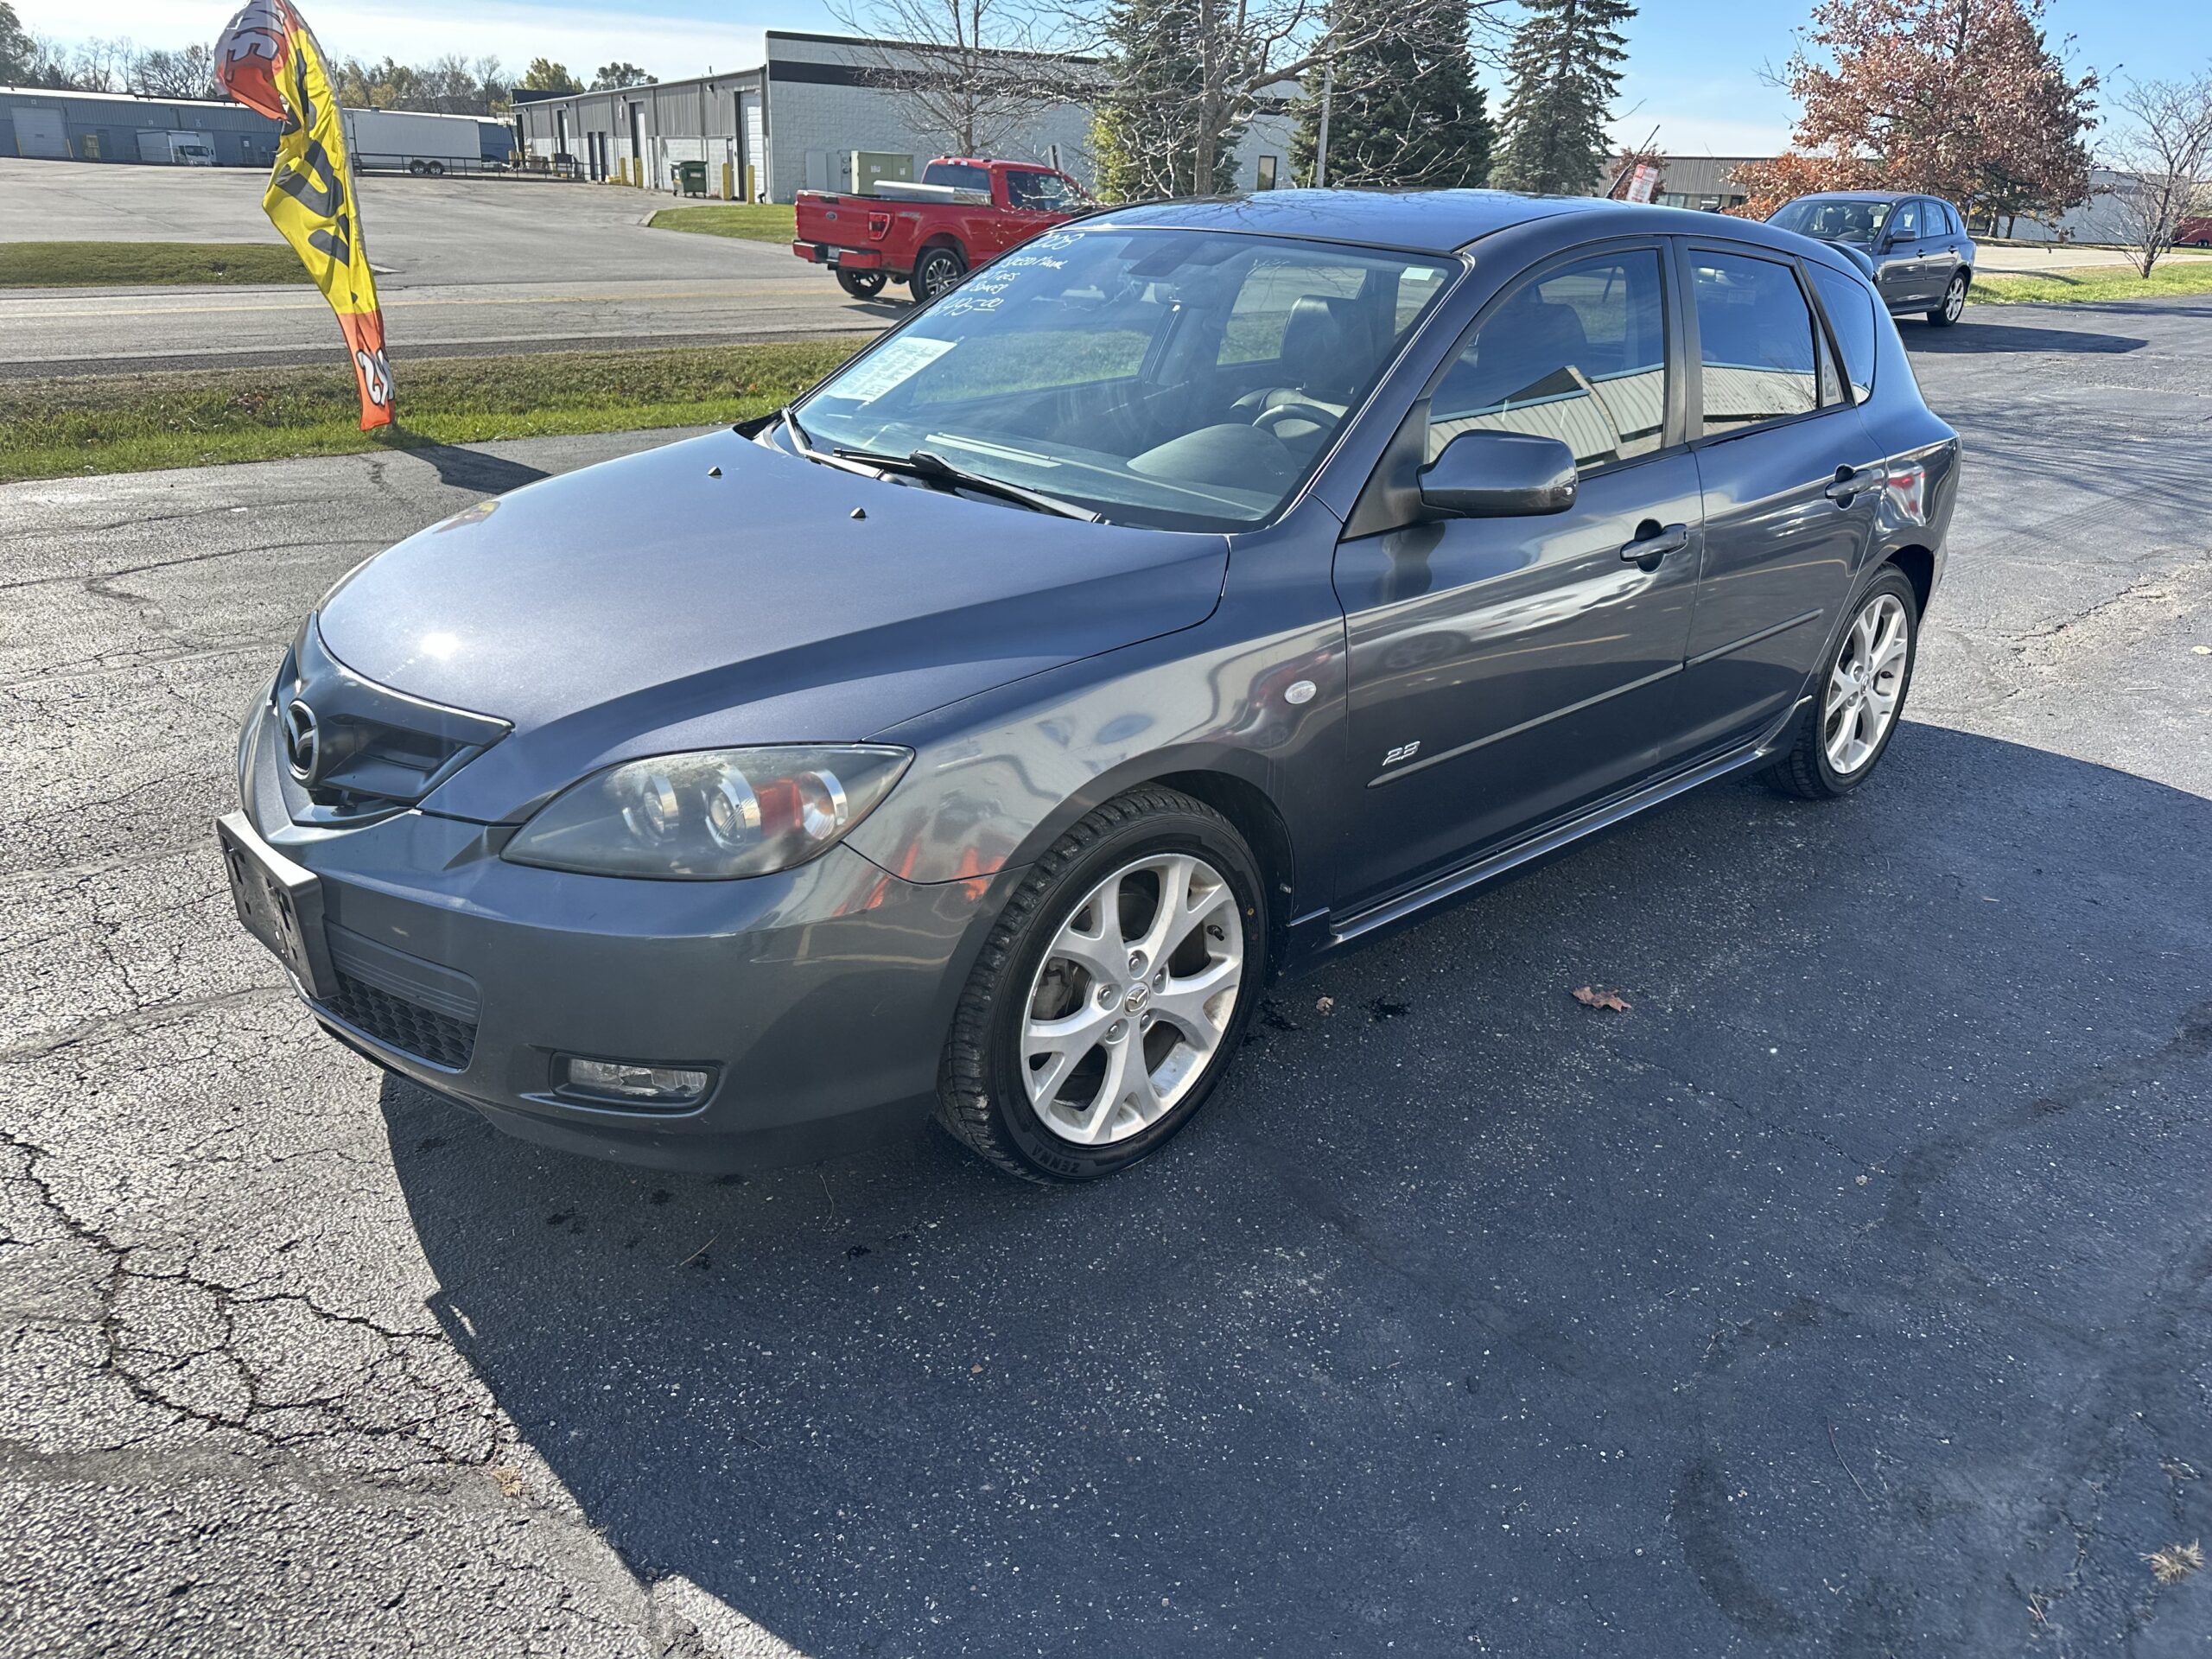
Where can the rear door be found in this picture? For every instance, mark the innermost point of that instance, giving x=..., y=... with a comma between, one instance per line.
x=1942, y=246
x=1507, y=671
x=1792, y=488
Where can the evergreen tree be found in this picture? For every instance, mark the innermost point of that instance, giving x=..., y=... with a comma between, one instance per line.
x=1563, y=69
x=1405, y=108
x=1147, y=135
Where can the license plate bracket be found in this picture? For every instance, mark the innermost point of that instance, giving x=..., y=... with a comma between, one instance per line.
x=279, y=902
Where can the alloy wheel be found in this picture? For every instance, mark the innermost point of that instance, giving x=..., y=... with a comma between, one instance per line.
x=1864, y=685
x=1954, y=299
x=1133, y=998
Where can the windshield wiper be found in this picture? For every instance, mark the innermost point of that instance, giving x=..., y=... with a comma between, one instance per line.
x=928, y=465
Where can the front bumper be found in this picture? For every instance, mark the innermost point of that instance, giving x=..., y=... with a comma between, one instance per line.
x=819, y=999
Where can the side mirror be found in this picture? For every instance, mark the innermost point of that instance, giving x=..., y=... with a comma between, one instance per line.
x=1489, y=475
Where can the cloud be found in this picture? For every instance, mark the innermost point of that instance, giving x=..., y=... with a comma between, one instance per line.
x=582, y=38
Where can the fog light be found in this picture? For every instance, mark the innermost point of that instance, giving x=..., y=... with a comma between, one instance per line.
x=632, y=1085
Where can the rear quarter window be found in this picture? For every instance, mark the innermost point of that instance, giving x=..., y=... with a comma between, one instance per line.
x=1851, y=313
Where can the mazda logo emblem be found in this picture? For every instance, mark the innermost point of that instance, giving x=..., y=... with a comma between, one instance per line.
x=302, y=741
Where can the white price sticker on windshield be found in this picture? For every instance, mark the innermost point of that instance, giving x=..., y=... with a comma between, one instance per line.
x=893, y=365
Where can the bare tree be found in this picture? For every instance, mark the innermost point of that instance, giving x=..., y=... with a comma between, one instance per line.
x=102, y=66
x=2164, y=161
x=971, y=77
x=187, y=72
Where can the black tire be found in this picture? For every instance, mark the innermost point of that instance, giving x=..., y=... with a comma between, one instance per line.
x=1953, y=305
x=1804, y=769
x=982, y=1099
x=938, y=269
x=437, y=169
x=860, y=284
x=416, y=168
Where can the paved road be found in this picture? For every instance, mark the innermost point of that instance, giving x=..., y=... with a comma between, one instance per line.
x=1849, y=1295
x=465, y=265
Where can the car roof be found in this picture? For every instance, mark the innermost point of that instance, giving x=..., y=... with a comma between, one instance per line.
x=1866, y=196
x=1426, y=221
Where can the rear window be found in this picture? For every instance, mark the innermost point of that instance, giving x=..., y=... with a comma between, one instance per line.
x=958, y=175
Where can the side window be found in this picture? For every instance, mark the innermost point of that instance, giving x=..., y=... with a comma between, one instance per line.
x=1950, y=220
x=1041, y=192
x=1755, y=337
x=1580, y=355
x=1851, y=315
x=1904, y=223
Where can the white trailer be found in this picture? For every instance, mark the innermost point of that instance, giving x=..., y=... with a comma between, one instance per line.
x=174, y=149
x=412, y=140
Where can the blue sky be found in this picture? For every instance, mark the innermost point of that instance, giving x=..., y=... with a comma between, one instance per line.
x=1692, y=73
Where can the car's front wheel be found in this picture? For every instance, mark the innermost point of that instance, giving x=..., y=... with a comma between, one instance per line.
x=1852, y=714
x=1953, y=303
x=1111, y=995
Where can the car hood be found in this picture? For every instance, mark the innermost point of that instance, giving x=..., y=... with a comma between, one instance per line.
x=714, y=593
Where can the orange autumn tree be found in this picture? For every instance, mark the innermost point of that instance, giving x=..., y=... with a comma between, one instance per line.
x=1963, y=99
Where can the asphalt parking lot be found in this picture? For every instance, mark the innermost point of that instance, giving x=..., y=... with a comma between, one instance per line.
x=463, y=265
x=1850, y=1293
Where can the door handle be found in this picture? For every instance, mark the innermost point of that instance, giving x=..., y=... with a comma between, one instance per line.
x=1851, y=482
x=1653, y=543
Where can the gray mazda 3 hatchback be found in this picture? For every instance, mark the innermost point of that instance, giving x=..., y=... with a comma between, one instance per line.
x=1183, y=597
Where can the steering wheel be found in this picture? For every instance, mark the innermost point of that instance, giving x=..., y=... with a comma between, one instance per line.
x=1267, y=419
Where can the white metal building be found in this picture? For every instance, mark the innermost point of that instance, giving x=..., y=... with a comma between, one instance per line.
x=795, y=123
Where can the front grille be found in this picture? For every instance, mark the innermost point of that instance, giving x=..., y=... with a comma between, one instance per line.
x=408, y=1026
x=350, y=749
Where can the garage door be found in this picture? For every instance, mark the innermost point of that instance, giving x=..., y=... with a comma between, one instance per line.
x=38, y=132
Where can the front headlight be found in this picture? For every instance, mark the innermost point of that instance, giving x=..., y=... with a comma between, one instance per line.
x=711, y=816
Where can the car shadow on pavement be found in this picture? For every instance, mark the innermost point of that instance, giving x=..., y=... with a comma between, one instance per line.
x=1971, y=334
x=1846, y=1293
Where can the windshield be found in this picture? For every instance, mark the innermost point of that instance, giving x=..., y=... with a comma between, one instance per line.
x=1178, y=378
x=1832, y=220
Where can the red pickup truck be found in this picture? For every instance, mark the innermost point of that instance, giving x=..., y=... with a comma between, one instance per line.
x=927, y=234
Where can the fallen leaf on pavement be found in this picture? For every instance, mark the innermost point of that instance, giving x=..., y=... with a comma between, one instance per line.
x=1591, y=998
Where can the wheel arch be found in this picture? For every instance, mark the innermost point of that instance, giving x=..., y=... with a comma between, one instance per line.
x=1918, y=564
x=1233, y=782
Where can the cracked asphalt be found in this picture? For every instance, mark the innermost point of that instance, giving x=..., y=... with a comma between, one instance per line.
x=1850, y=1293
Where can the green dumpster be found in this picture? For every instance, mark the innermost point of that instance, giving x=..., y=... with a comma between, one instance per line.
x=691, y=177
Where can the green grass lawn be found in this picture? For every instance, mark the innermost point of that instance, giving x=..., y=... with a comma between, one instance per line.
x=150, y=265
x=2096, y=283
x=122, y=423
x=754, y=222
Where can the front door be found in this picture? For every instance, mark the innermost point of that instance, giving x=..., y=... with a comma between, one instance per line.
x=1900, y=271
x=1792, y=487
x=1505, y=672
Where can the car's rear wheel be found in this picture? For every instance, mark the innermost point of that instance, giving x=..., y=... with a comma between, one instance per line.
x=1112, y=993
x=938, y=269
x=1847, y=725
x=860, y=284
x=1954, y=305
